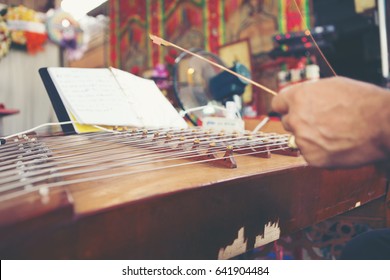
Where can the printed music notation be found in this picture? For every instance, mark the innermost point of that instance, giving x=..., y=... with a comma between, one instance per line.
x=109, y=96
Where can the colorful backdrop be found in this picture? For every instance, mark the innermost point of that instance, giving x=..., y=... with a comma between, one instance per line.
x=205, y=24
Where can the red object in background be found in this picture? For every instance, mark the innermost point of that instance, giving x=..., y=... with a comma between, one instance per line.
x=170, y=59
x=5, y=112
x=35, y=41
x=293, y=16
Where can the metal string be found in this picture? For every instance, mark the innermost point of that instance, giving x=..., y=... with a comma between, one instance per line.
x=24, y=179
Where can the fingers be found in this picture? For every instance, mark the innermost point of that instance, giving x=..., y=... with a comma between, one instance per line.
x=279, y=104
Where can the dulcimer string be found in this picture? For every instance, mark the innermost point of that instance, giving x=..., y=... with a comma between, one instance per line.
x=130, y=160
x=93, y=150
x=25, y=186
x=171, y=153
x=22, y=189
x=61, y=172
x=26, y=189
x=140, y=143
x=76, y=142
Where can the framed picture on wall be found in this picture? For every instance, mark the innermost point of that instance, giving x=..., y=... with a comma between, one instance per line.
x=238, y=51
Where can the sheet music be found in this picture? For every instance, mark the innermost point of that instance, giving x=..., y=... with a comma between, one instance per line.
x=113, y=97
x=147, y=101
x=92, y=95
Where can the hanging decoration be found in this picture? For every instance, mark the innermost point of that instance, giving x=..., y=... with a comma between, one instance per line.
x=5, y=39
x=27, y=29
x=65, y=31
x=294, y=15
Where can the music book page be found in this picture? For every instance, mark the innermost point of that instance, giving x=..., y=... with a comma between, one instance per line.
x=112, y=97
x=147, y=101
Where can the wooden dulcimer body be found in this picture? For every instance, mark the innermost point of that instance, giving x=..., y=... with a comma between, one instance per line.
x=163, y=194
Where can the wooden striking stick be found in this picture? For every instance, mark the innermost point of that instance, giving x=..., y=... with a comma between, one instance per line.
x=159, y=41
x=314, y=40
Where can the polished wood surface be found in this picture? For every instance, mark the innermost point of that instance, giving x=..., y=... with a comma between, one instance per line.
x=190, y=211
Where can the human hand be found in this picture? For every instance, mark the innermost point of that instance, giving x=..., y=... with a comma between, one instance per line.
x=337, y=122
